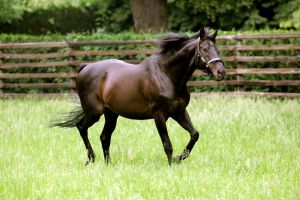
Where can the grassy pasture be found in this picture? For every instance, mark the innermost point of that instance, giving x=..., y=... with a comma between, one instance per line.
x=248, y=149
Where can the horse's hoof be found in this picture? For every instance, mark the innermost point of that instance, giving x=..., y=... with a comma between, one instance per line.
x=107, y=160
x=88, y=162
x=185, y=154
x=177, y=159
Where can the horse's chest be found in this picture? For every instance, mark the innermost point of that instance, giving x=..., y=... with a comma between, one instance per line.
x=169, y=105
x=176, y=105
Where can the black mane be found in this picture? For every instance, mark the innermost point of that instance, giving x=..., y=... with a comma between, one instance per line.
x=172, y=42
x=175, y=41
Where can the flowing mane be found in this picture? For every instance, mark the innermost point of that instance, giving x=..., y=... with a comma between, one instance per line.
x=175, y=41
x=172, y=42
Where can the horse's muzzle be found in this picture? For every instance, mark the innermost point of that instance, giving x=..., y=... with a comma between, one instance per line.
x=220, y=75
x=218, y=71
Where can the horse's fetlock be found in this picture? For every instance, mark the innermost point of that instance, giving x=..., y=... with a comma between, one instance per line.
x=168, y=149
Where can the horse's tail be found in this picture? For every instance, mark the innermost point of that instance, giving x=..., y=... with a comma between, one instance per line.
x=69, y=119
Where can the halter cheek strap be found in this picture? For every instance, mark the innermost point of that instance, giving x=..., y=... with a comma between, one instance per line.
x=203, y=59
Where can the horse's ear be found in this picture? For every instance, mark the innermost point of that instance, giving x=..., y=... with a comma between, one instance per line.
x=214, y=35
x=202, y=33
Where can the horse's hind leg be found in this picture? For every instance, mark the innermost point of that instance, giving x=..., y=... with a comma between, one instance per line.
x=83, y=126
x=109, y=127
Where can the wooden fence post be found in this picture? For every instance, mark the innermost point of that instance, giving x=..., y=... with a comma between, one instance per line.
x=72, y=60
x=239, y=77
x=1, y=82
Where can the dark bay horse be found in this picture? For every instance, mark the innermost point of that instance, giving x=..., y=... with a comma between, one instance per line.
x=154, y=89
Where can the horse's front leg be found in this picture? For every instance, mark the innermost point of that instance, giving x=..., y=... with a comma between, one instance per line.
x=185, y=122
x=160, y=122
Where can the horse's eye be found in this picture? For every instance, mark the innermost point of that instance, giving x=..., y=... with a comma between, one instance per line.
x=205, y=49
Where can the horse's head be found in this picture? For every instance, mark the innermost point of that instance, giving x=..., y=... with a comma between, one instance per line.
x=210, y=62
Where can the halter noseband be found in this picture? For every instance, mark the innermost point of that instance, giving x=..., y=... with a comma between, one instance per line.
x=210, y=61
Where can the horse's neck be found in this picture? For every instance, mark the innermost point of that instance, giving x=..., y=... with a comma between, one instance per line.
x=180, y=66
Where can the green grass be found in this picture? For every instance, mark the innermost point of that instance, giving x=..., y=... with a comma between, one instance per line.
x=248, y=149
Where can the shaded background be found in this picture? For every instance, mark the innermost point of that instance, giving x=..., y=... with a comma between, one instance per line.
x=42, y=17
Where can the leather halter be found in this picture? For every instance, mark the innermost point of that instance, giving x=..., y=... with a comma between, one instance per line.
x=198, y=54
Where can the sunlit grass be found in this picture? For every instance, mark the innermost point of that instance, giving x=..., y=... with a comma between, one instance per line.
x=248, y=149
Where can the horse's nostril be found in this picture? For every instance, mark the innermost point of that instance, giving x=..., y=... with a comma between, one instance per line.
x=221, y=72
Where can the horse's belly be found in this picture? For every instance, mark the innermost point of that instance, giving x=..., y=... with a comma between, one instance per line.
x=130, y=109
x=136, y=115
x=128, y=103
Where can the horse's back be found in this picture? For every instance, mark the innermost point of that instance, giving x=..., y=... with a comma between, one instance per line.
x=97, y=68
x=93, y=72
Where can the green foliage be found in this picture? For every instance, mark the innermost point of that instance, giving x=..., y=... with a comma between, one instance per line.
x=45, y=4
x=10, y=10
x=288, y=14
x=114, y=16
x=213, y=7
x=254, y=20
x=53, y=20
x=231, y=14
x=97, y=36
x=71, y=16
x=226, y=14
x=41, y=17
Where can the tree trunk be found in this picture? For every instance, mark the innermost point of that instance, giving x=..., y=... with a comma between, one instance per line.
x=149, y=15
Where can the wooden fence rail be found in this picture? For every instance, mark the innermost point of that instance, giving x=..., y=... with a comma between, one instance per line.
x=29, y=66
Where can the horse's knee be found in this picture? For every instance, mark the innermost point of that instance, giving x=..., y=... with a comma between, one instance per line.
x=195, y=137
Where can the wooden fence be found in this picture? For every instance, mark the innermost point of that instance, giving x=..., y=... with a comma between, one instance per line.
x=35, y=72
